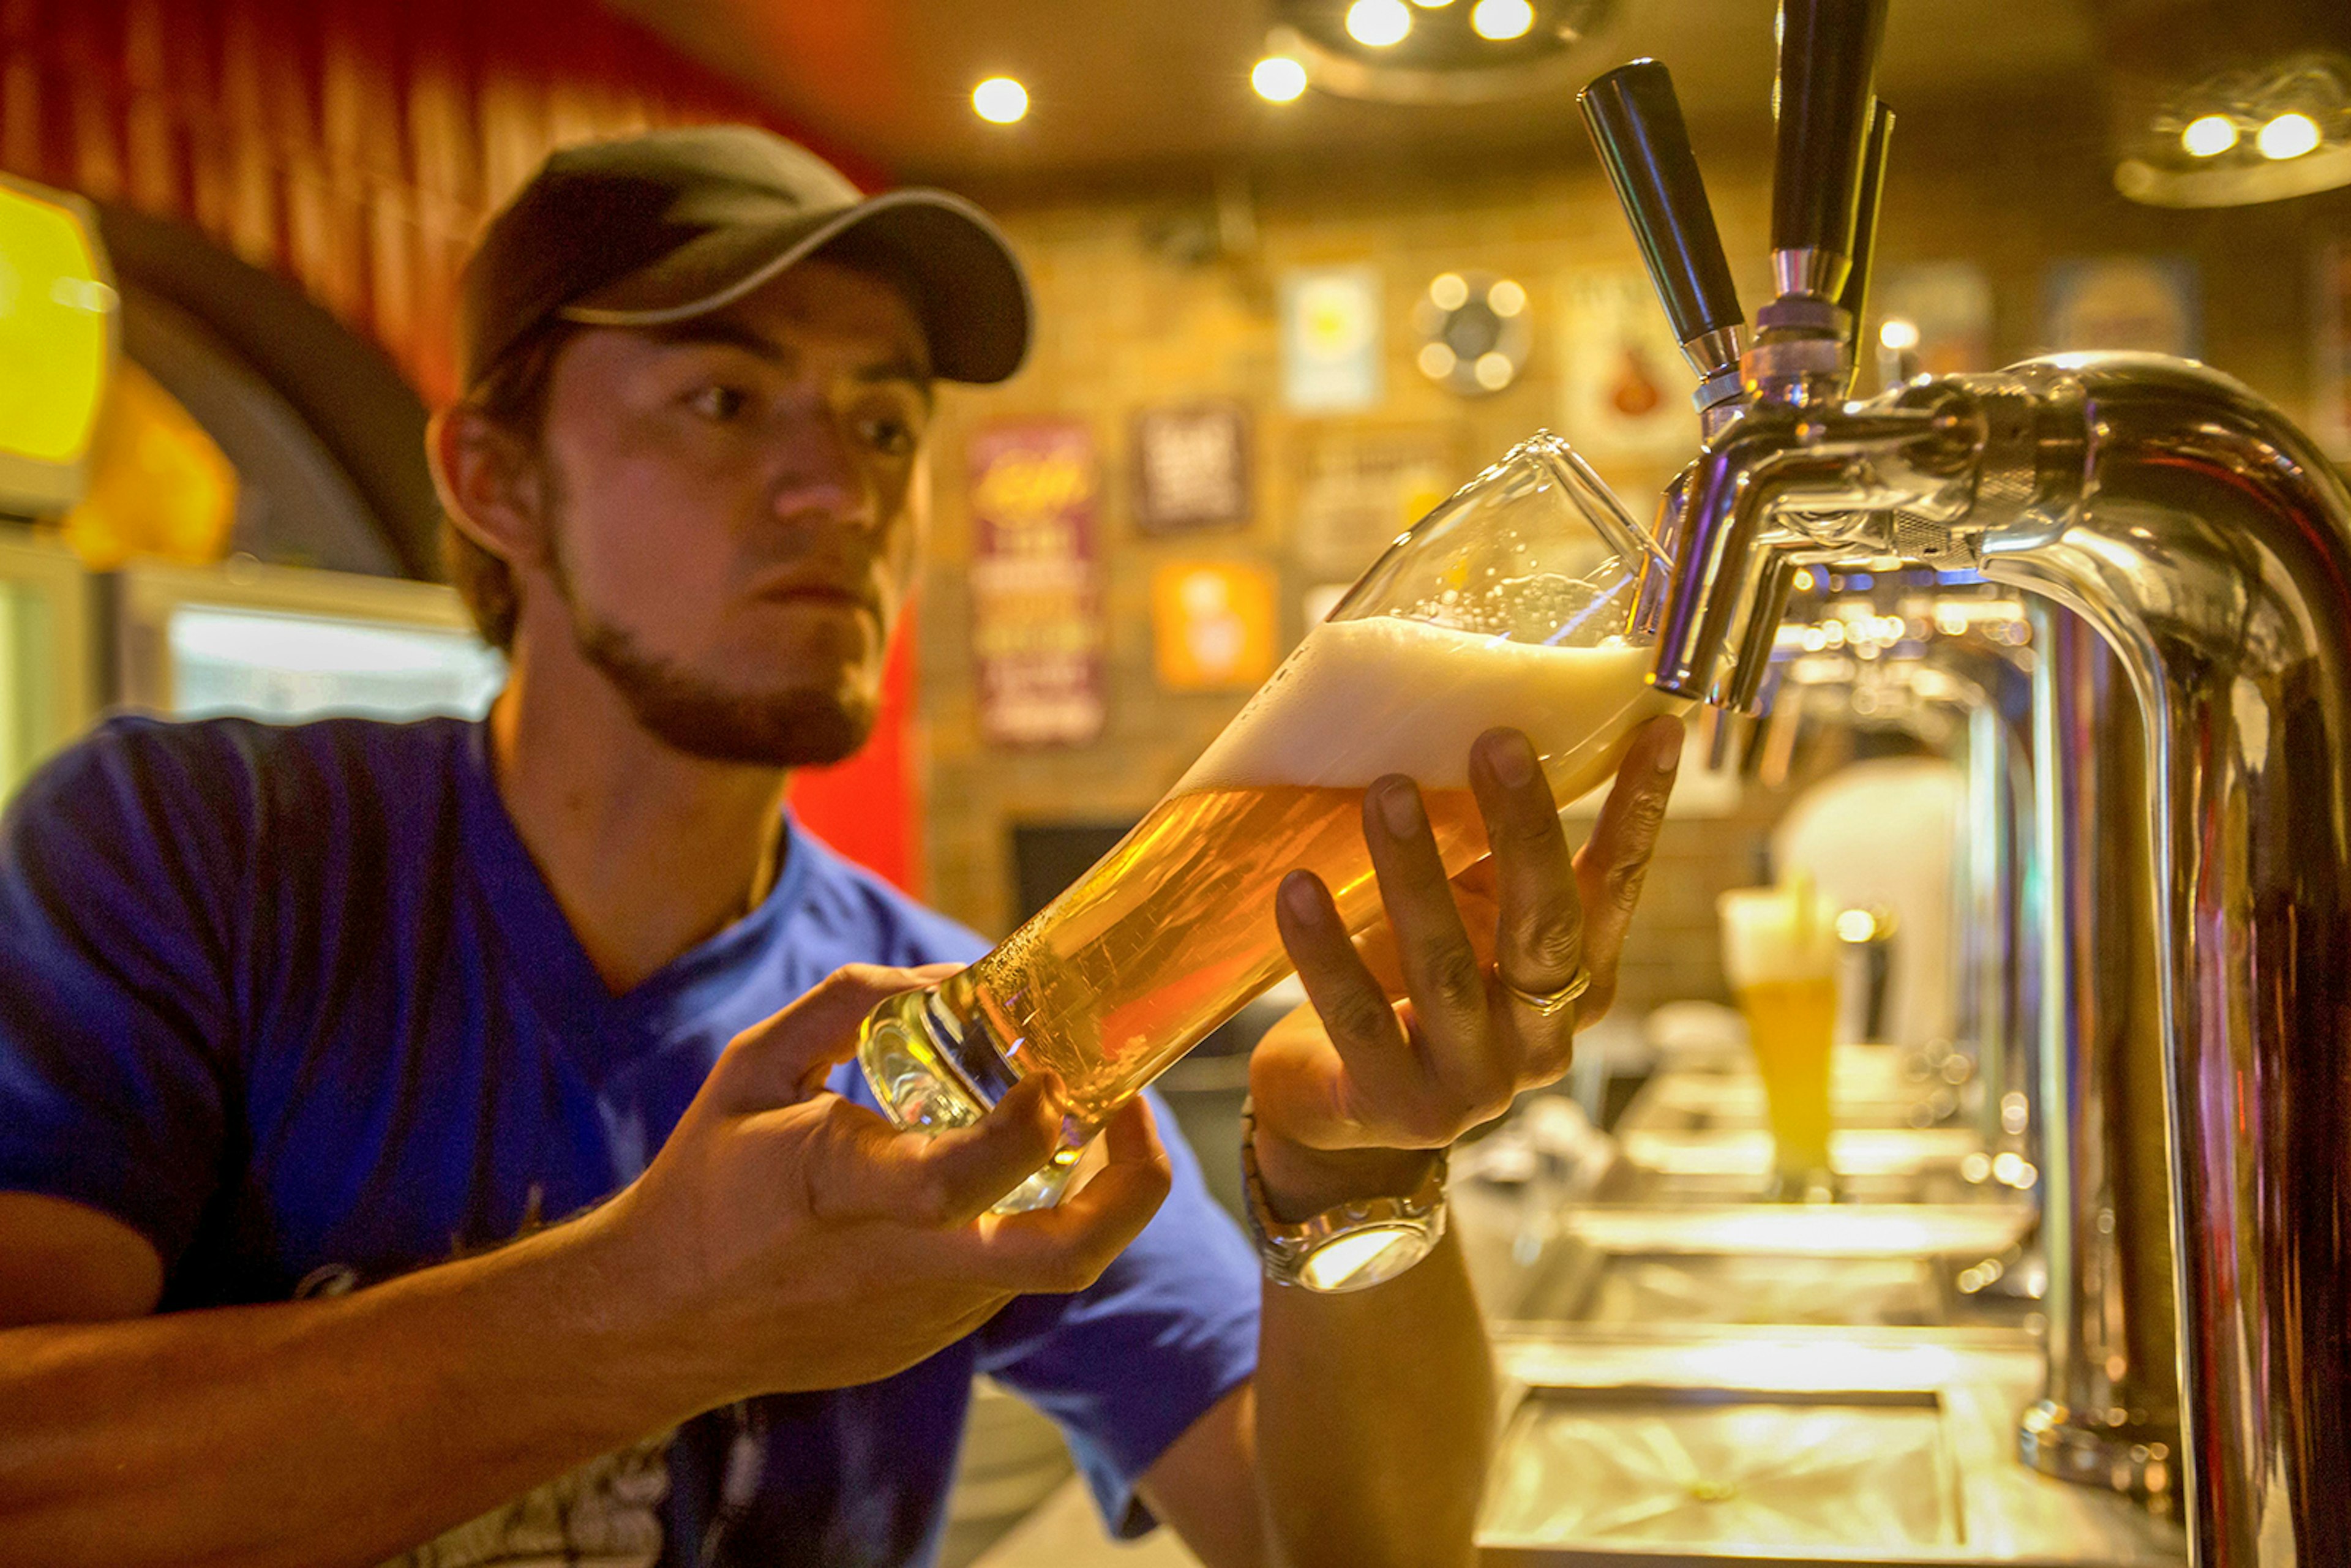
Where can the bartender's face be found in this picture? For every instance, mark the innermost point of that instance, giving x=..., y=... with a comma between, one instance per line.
x=731, y=511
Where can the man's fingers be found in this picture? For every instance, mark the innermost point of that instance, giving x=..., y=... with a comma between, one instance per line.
x=1355, y=1011
x=1443, y=976
x=783, y=1060
x=859, y=1167
x=1065, y=1248
x=1611, y=865
x=1539, y=926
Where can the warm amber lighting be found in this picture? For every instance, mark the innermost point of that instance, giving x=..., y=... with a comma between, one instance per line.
x=1436, y=361
x=1898, y=335
x=1502, y=20
x=1506, y=299
x=1279, y=78
x=1494, y=370
x=1376, y=23
x=56, y=330
x=2288, y=136
x=999, y=100
x=2209, y=135
x=1449, y=291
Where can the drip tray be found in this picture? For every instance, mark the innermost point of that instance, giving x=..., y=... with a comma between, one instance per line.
x=1865, y=1447
x=1728, y=1472
x=1732, y=1289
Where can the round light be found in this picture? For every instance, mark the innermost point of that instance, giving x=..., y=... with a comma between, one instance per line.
x=1432, y=5
x=1506, y=299
x=1449, y=291
x=1278, y=79
x=1494, y=370
x=999, y=100
x=1376, y=23
x=1898, y=335
x=1856, y=925
x=2288, y=136
x=2209, y=135
x=1436, y=361
x=1502, y=20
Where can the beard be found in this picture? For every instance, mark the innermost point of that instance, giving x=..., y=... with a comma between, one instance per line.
x=795, y=727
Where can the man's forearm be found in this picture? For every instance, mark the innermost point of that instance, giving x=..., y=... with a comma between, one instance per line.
x=329, y=1431
x=1374, y=1415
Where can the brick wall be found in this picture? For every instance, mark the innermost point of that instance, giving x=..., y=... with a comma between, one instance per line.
x=1127, y=321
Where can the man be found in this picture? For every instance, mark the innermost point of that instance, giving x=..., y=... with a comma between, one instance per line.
x=285, y=1012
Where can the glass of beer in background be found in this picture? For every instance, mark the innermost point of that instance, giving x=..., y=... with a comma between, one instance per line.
x=1780, y=954
x=1523, y=600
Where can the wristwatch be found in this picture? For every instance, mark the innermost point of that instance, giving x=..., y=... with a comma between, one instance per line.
x=1351, y=1247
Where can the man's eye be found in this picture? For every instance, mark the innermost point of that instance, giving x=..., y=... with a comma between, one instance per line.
x=719, y=403
x=893, y=436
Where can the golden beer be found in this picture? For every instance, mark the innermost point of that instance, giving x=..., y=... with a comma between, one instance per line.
x=1779, y=957
x=1513, y=604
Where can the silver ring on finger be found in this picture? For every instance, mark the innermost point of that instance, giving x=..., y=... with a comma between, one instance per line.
x=1549, y=1004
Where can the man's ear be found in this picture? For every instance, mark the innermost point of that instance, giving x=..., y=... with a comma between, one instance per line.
x=489, y=484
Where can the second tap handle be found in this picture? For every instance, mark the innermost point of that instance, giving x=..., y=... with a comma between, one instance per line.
x=1828, y=64
x=1637, y=122
x=1855, y=295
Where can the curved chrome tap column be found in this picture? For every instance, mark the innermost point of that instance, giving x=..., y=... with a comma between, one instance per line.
x=2210, y=544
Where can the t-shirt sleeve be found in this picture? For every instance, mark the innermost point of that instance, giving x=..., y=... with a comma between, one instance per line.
x=1125, y=1366
x=114, y=998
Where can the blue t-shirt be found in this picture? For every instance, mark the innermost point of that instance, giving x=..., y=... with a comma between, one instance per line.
x=297, y=1005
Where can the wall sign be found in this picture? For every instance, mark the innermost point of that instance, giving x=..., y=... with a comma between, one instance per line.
x=1036, y=583
x=1214, y=625
x=1363, y=485
x=1329, y=339
x=1625, y=387
x=1192, y=467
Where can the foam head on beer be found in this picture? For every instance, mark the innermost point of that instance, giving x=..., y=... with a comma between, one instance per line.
x=1785, y=932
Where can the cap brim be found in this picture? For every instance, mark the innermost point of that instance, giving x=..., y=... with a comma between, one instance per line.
x=971, y=295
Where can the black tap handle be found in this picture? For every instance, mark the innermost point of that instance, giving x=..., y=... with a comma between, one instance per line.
x=1828, y=62
x=1637, y=122
x=1855, y=295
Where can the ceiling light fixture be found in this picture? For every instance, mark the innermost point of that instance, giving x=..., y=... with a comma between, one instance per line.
x=1378, y=23
x=2209, y=135
x=1279, y=78
x=2289, y=135
x=1502, y=20
x=999, y=100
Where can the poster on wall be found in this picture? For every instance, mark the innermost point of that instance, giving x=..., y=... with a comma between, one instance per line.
x=2330, y=414
x=1214, y=625
x=1036, y=585
x=1360, y=486
x=1192, y=467
x=1624, y=386
x=2146, y=303
x=1330, y=338
x=1934, y=318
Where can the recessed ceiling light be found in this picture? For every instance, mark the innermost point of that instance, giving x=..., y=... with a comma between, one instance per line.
x=1000, y=99
x=1502, y=20
x=2209, y=135
x=1278, y=79
x=2288, y=136
x=1376, y=23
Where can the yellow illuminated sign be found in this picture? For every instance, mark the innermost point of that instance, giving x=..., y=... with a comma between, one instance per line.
x=56, y=340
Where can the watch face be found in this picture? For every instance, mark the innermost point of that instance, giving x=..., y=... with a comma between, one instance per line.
x=1362, y=1258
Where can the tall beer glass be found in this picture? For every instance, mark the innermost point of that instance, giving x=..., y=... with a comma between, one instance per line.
x=1521, y=601
x=1780, y=954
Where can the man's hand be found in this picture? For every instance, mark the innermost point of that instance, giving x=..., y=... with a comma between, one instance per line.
x=1348, y=1101
x=798, y=1241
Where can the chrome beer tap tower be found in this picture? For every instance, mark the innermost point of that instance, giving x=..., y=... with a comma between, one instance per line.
x=2208, y=544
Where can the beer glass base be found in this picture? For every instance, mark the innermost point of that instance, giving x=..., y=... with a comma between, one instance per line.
x=918, y=1058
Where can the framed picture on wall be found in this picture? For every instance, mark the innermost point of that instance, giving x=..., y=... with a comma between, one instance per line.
x=1192, y=467
x=2149, y=304
x=2330, y=381
x=1036, y=583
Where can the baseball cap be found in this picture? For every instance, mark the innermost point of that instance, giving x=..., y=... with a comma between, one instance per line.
x=673, y=223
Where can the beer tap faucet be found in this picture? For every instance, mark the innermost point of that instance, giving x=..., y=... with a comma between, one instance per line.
x=2208, y=542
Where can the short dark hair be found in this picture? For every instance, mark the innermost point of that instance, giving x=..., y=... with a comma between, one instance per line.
x=512, y=394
